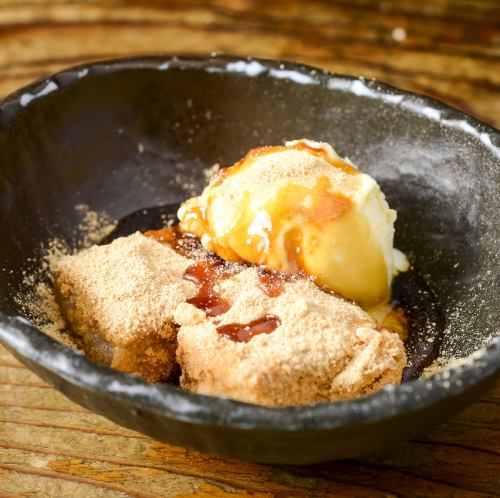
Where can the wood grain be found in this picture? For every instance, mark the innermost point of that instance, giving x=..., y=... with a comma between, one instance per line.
x=50, y=446
x=451, y=50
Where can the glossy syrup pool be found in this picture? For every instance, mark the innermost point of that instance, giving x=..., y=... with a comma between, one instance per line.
x=410, y=293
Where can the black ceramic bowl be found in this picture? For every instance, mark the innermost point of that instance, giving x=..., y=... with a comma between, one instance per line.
x=74, y=138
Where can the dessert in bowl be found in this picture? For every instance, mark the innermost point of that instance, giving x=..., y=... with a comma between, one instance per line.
x=126, y=135
x=279, y=332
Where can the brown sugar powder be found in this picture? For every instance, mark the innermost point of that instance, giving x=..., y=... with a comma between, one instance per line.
x=127, y=289
x=323, y=348
x=36, y=300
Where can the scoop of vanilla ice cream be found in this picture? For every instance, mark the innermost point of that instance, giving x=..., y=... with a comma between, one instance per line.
x=301, y=208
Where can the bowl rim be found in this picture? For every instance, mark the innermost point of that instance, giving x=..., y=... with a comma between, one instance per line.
x=20, y=336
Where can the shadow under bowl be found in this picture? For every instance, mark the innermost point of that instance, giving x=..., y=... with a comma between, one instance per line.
x=133, y=133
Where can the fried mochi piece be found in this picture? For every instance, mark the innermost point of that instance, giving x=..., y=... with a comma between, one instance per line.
x=324, y=348
x=120, y=298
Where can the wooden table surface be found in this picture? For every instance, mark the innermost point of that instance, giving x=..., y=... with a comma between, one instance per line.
x=52, y=447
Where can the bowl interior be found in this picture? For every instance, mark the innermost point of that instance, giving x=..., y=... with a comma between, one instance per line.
x=137, y=134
